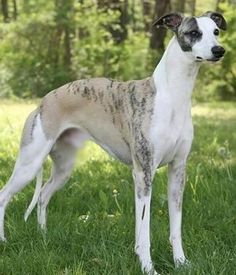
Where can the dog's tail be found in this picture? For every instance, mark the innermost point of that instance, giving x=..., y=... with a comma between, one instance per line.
x=39, y=183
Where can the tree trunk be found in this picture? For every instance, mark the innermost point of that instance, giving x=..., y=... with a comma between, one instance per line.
x=146, y=5
x=159, y=34
x=192, y=7
x=181, y=6
x=5, y=13
x=63, y=32
x=14, y=9
x=124, y=18
x=178, y=5
x=120, y=34
x=67, y=47
x=133, y=17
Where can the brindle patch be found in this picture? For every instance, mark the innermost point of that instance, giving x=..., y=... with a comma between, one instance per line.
x=127, y=105
x=94, y=95
x=55, y=93
x=178, y=193
x=86, y=93
x=69, y=85
x=142, y=110
x=184, y=37
x=143, y=211
x=100, y=97
x=33, y=125
x=111, y=84
x=27, y=134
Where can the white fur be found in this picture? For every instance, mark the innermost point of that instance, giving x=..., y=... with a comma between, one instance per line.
x=208, y=41
x=142, y=231
x=27, y=165
x=172, y=121
x=38, y=186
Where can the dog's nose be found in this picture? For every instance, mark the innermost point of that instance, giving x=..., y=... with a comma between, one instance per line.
x=218, y=51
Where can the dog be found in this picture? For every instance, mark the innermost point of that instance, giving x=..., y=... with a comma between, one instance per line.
x=144, y=123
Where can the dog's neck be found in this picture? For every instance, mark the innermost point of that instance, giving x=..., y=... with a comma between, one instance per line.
x=176, y=73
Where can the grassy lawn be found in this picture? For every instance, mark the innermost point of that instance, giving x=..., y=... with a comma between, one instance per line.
x=91, y=228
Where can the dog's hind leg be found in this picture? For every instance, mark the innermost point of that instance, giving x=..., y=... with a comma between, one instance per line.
x=63, y=157
x=28, y=164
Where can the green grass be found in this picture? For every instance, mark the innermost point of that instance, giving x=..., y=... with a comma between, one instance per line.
x=91, y=230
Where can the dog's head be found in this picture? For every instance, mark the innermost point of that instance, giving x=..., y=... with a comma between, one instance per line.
x=197, y=36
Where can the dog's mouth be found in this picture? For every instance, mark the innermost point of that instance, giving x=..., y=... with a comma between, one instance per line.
x=213, y=59
x=199, y=59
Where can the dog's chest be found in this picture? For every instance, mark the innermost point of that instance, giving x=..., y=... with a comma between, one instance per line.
x=170, y=127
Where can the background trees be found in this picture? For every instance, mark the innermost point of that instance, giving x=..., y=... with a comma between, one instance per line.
x=44, y=44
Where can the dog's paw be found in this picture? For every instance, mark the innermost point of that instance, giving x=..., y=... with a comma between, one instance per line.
x=153, y=272
x=3, y=239
x=182, y=263
x=150, y=271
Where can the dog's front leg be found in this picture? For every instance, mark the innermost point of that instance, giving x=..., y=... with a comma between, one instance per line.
x=142, y=218
x=176, y=186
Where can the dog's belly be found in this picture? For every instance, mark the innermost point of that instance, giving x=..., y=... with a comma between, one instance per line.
x=109, y=138
x=122, y=154
x=77, y=136
x=114, y=145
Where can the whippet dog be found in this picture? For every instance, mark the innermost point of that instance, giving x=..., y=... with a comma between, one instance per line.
x=144, y=123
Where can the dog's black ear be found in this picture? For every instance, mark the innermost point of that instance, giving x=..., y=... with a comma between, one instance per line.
x=218, y=19
x=171, y=21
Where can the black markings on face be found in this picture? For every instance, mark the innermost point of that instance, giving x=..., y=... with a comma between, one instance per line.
x=188, y=34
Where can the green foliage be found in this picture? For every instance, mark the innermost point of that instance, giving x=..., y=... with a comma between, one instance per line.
x=37, y=56
x=34, y=54
x=133, y=62
x=54, y=42
x=94, y=53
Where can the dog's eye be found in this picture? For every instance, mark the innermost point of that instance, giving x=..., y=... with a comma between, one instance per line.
x=195, y=34
x=216, y=32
